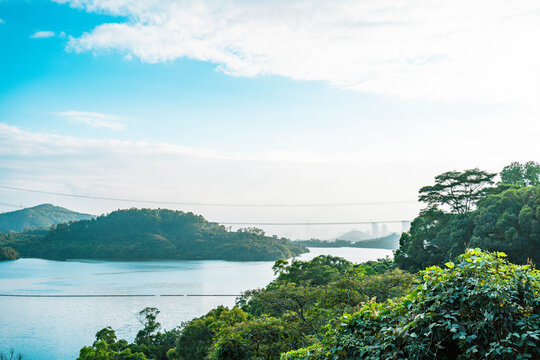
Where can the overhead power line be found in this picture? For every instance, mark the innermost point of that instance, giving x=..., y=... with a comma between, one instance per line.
x=185, y=203
x=314, y=223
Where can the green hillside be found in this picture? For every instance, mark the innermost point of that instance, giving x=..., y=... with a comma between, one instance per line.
x=139, y=234
x=38, y=217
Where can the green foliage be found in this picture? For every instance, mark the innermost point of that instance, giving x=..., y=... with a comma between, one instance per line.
x=197, y=335
x=389, y=285
x=291, y=312
x=481, y=308
x=7, y=253
x=107, y=347
x=22, y=242
x=149, y=344
x=527, y=174
x=305, y=303
x=457, y=190
x=156, y=234
x=374, y=267
x=510, y=222
x=261, y=338
x=41, y=216
x=507, y=221
x=319, y=271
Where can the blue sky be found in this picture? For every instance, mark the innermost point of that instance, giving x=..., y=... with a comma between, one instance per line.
x=261, y=101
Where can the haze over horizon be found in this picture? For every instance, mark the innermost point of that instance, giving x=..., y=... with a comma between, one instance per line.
x=262, y=103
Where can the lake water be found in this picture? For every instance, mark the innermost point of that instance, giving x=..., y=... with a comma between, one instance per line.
x=55, y=328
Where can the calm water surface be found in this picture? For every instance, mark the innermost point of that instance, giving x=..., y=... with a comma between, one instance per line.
x=49, y=328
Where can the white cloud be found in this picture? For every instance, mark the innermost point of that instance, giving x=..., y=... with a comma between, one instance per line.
x=93, y=119
x=42, y=34
x=454, y=50
x=16, y=141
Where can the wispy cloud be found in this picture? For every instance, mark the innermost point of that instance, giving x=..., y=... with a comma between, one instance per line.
x=17, y=141
x=93, y=119
x=457, y=50
x=42, y=34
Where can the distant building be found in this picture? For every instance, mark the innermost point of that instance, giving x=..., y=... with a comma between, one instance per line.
x=375, y=229
x=384, y=230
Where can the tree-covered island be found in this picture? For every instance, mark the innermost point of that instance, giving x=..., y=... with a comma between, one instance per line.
x=144, y=234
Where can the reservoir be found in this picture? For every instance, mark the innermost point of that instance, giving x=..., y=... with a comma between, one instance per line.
x=59, y=318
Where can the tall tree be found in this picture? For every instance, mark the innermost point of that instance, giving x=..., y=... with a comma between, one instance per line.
x=527, y=174
x=458, y=190
x=532, y=173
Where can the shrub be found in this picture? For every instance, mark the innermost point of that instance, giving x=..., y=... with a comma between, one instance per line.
x=482, y=308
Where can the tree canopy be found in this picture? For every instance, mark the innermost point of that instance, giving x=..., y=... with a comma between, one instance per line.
x=527, y=174
x=149, y=344
x=459, y=191
x=8, y=253
x=508, y=221
x=290, y=313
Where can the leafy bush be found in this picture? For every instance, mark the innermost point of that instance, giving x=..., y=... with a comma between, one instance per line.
x=482, y=308
x=259, y=338
x=197, y=335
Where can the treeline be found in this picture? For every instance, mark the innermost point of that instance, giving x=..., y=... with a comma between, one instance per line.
x=479, y=306
x=291, y=312
x=20, y=241
x=465, y=210
x=138, y=234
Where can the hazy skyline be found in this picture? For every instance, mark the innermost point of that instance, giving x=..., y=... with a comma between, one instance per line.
x=262, y=102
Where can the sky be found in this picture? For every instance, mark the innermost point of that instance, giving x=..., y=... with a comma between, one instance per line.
x=262, y=102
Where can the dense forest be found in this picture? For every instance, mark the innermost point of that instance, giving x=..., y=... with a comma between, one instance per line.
x=466, y=211
x=138, y=234
x=479, y=306
x=390, y=242
x=8, y=253
x=38, y=217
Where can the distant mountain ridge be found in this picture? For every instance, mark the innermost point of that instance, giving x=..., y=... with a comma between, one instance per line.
x=39, y=217
x=389, y=242
x=355, y=235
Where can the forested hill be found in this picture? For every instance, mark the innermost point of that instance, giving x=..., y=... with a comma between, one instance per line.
x=155, y=234
x=41, y=216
